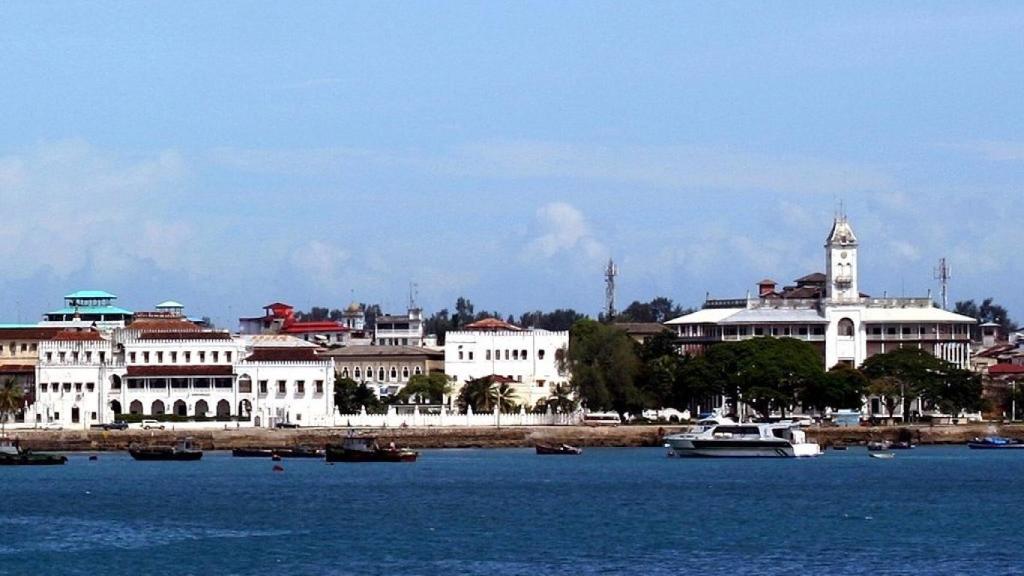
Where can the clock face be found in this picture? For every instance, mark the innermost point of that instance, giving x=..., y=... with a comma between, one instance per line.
x=842, y=254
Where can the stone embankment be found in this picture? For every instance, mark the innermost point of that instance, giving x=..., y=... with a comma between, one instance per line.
x=468, y=437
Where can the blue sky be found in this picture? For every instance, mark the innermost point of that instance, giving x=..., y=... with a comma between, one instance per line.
x=231, y=154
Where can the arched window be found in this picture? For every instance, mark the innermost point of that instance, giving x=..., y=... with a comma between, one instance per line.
x=357, y=373
x=115, y=407
x=405, y=373
x=223, y=409
x=394, y=373
x=540, y=354
x=344, y=372
x=157, y=408
x=135, y=407
x=202, y=408
x=846, y=328
x=417, y=370
x=380, y=374
x=180, y=409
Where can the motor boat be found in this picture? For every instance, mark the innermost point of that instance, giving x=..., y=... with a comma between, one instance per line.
x=300, y=452
x=11, y=454
x=252, y=453
x=995, y=443
x=366, y=449
x=882, y=455
x=184, y=450
x=546, y=449
x=764, y=440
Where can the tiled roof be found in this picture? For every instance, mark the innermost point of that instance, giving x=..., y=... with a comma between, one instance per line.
x=308, y=327
x=491, y=324
x=83, y=310
x=358, y=352
x=178, y=370
x=185, y=335
x=17, y=369
x=641, y=327
x=813, y=277
x=90, y=294
x=1005, y=370
x=41, y=333
x=166, y=324
x=289, y=354
x=86, y=336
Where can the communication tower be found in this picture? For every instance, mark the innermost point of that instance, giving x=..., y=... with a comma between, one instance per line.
x=943, y=273
x=609, y=289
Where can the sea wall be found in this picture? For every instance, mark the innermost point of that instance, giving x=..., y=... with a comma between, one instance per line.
x=470, y=437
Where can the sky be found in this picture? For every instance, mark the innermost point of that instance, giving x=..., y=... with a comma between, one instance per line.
x=232, y=154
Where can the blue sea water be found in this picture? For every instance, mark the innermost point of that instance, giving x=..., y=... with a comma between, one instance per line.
x=933, y=510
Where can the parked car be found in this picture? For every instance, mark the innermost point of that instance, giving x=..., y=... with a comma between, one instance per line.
x=116, y=425
x=152, y=424
x=286, y=425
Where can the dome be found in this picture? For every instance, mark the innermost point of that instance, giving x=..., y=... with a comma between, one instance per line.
x=354, y=308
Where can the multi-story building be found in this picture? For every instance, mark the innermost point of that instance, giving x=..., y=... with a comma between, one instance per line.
x=406, y=330
x=279, y=318
x=829, y=312
x=386, y=369
x=528, y=359
x=89, y=308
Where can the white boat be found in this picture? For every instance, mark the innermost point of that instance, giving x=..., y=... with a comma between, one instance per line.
x=743, y=441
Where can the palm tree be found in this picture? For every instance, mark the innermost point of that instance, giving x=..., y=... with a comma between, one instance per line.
x=561, y=399
x=503, y=396
x=12, y=399
x=475, y=394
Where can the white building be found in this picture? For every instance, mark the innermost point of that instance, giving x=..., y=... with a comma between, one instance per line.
x=491, y=347
x=404, y=330
x=164, y=365
x=829, y=312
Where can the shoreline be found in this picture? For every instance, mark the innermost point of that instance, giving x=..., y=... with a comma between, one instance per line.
x=470, y=437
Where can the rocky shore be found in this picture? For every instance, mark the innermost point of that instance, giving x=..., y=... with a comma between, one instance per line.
x=463, y=437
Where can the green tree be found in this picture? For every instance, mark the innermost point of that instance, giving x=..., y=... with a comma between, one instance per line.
x=560, y=319
x=351, y=396
x=475, y=394
x=503, y=396
x=915, y=370
x=660, y=309
x=988, y=311
x=560, y=400
x=889, y=390
x=956, y=392
x=840, y=387
x=12, y=400
x=776, y=370
x=428, y=388
x=604, y=367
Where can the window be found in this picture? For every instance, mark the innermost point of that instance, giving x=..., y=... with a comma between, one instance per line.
x=227, y=357
x=49, y=356
x=61, y=356
x=356, y=373
x=188, y=357
x=846, y=328
x=318, y=386
x=263, y=386
x=24, y=347
x=758, y=331
x=56, y=416
x=405, y=373
x=497, y=354
x=540, y=354
x=460, y=355
x=281, y=386
x=174, y=357
x=417, y=370
x=487, y=354
x=515, y=354
x=78, y=386
x=103, y=357
x=393, y=374
x=160, y=357
x=380, y=374
x=506, y=354
x=300, y=387
x=216, y=357
x=90, y=386
x=202, y=357
x=344, y=372
x=200, y=382
x=179, y=383
x=92, y=415
x=522, y=355
x=470, y=354
x=145, y=357
x=131, y=357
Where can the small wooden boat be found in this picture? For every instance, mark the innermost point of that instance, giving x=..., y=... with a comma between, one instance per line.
x=300, y=452
x=882, y=455
x=839, y=446
x=11, y=454
x=184, y=450
x=565, y=449
x=366, y=449
x=252, y=453
x=995, y=443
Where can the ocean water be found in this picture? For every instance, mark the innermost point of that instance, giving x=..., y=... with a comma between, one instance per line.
x=933, y=510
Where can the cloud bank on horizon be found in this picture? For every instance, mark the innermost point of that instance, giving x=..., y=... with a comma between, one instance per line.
x=321, y=155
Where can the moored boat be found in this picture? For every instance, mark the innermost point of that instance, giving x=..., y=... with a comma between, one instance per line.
x=252, y=453
x=184, y=450
x=744, y=441
x=300, y=452
x=565, y=449
x=995, y=443
x=366, y=449
x=11, y=454
x=882, y=455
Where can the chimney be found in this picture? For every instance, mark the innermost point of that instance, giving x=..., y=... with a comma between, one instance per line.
x=765, y=288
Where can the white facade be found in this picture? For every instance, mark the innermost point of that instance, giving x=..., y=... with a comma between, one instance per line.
x=528, y=357
x=399, y=330
x=84, y=379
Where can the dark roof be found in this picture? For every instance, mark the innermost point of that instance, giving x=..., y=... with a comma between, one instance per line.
x=41, y=333
x=766, y=281
x=815, y=278
x=641, y=327
x=1006, y=370
x=86, y=336
x=176, y=370
x=165, y=324
x=996, y=351
x=801, y=292
x=491, y=324
x=382, y=351
x=285, y=354
x=185, y=335
x=17, y=369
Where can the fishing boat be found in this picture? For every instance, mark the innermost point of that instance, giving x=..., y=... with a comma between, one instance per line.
x=779, y=440
x=184, y=450
x=995, y=443
x=366, y=449
x=566, y=449
x=300, y=452
x=11, y=454
x=252, y=453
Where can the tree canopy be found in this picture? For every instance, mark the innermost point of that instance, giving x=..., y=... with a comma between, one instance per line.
x=604, y=367
x=987, y=311
x=351, y=396
x=425, y=388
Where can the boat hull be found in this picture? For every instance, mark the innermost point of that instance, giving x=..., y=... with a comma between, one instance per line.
x=251, y=453
x=168, y=456
x=695, y=448
x=32, y=460
x=545, y=450
x=343, y=455
x=986, y=446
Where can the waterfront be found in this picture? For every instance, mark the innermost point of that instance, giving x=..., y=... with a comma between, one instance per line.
x=934, y=510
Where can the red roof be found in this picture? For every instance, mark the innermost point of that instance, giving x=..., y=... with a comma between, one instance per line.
x=180, y=370
x=491, y=324
x=42, y=333
x=307, y=327
x=186, y=335
x=17, y=369
x=1005, y=370
x=286, y=354
x=165, y=324
x=88, y=336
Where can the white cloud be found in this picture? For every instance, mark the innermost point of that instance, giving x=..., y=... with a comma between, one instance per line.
x=905, y=250
x=322, y=262
x=563, y=228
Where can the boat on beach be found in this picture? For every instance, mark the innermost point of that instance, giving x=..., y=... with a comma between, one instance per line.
x=995, y=443
x=184, y=450
x=366, y=449
x=11, y=454
x=551, y=449
x=764, y=440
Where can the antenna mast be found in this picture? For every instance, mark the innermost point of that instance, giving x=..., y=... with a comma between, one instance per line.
x=943, y=273
x=609, y=289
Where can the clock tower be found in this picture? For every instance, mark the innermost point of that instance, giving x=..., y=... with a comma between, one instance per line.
x=841, y=263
